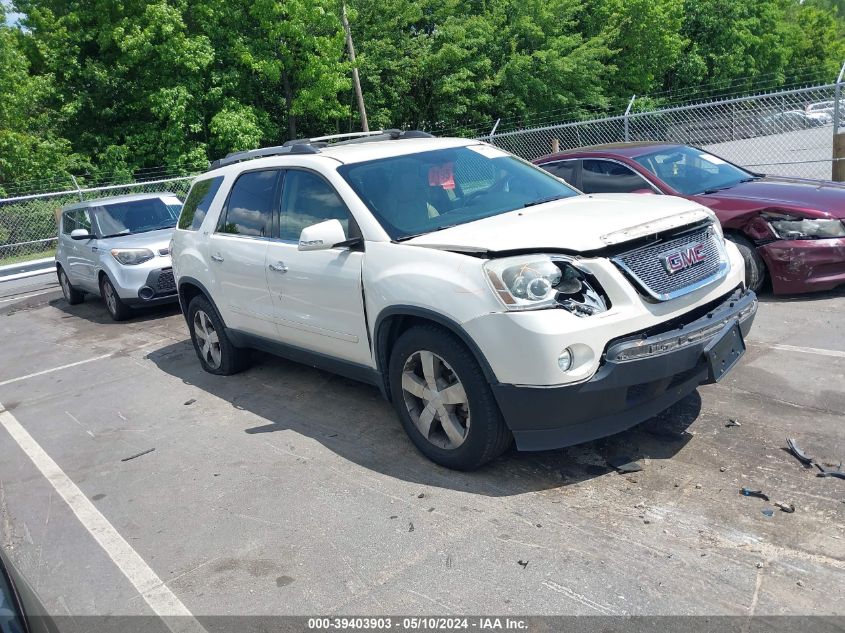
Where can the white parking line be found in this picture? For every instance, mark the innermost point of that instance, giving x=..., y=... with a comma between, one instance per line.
x=34, y=294
x=809, y=350
x=152, y=589
x=50, y=371
x=79, y=362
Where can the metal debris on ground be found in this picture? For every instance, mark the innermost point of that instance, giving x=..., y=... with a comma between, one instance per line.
x=830, y=472
x=768, y=512
x=754, y=493
x=410, y=526
x=524, y=563
x=625, y=465
x=191, y=401
x=126, y=459
x=731, y=422
x=785, y=507
x=421, y=495
x=798, y=453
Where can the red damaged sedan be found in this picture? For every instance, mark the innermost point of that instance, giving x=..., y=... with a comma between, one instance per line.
x=790, y=230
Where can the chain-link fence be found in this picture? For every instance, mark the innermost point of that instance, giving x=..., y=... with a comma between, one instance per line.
x=28, y=226
x=786, y=133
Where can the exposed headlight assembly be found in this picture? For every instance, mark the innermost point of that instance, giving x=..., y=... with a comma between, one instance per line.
x=132, y=256
x=531, y=282
x=806, y=228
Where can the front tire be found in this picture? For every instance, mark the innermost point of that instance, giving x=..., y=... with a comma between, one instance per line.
x=755, y=267
x=444, y=400
x=118, y=310
x=72, y=295
x=215, y=350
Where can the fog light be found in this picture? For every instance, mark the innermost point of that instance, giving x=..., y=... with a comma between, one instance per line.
x=564, y=361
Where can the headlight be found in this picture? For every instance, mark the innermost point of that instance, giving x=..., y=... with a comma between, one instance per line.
x=717, y=226
x=800, y=229
x=529, y=282
x=132, y=256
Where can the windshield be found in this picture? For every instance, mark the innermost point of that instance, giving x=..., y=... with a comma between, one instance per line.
x=692, y=171
x=418, y=193
x=136, y=216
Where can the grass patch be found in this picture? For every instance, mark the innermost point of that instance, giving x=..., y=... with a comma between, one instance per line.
x=18, y=259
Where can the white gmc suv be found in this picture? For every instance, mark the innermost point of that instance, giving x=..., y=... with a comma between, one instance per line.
x=487, y=300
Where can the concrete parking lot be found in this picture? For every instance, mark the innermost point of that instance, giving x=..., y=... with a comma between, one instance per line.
x=286, y=490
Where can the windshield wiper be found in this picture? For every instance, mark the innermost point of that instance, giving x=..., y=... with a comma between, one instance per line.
x=155, y=228
x=123, y=232
x=733, y=184
x=439, y=228
x=544, y=200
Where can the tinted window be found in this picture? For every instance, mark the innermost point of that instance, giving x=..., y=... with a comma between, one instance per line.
x=249, y=210
x=604, y=176
x=564, y=169
x=134, y=216
x=308, y=199
x=199, y=199
x=427, y=191
x=76, y=219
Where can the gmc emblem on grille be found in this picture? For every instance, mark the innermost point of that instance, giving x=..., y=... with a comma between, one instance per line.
x=683, y=258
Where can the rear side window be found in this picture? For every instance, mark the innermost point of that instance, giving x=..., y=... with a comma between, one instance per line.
x=199, y=200
x=252, y=200
x=604, y=176
x=564, y=169
x=76, y=219
x=308, y=199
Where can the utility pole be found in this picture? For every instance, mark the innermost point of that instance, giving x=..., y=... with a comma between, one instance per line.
x=356, y=81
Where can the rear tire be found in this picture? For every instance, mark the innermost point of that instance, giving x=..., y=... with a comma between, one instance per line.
x=72, y=295
x=215, y=350
x=755, y=267
x=444, y=400
x=118, y=310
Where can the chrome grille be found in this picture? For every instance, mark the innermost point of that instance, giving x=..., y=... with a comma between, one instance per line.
x=166, y=283
x=644, y=265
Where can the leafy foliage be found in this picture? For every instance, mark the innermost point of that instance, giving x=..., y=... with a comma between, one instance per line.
x=106, y=87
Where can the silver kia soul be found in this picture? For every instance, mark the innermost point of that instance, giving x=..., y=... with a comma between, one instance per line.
x=118, y=248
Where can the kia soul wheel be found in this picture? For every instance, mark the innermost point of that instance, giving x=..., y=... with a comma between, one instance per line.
x=444, y=401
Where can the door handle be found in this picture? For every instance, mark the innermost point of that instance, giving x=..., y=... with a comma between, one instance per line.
x=217, y=257
x=93, y=249
x=278, y=267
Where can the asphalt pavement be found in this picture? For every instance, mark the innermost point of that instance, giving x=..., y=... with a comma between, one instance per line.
x=287, y=490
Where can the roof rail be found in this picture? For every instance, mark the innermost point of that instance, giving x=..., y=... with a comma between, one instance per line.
x=331, y=137
x=278, y=150
x=313, y=145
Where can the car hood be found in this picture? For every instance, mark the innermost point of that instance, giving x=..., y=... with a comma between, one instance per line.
x=795, y=193
x=581, y=224
x=154, y=240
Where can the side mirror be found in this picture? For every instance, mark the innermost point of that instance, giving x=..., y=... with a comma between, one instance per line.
x=81, y=234
x=322, y=236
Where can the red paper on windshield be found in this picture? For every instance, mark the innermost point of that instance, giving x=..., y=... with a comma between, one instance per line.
x=442, y=176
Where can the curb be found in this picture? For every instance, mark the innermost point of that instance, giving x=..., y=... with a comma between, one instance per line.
x=27, y=269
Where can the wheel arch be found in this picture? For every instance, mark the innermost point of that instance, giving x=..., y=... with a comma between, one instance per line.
x=189, y=288
x=392, y=322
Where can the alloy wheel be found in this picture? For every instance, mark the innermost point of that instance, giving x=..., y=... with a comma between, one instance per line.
x=63, y=281
x=436, y=399
x=208, y=341
x=111, y=299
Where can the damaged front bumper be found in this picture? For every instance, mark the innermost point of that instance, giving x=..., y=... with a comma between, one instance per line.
x=798, y=266
x=641, y=375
